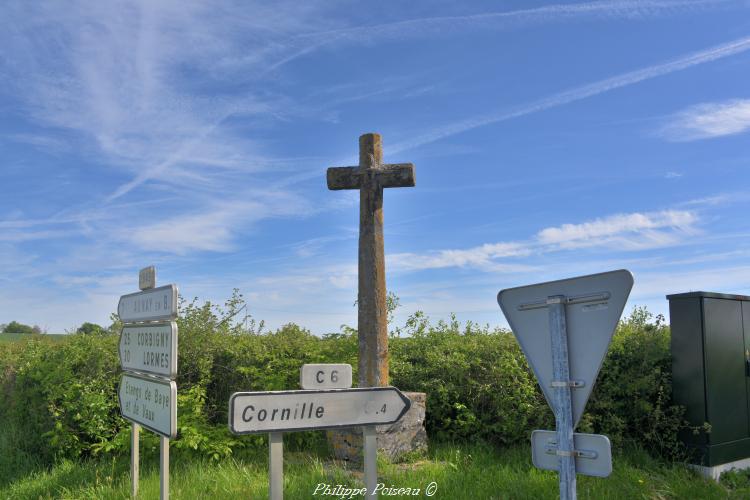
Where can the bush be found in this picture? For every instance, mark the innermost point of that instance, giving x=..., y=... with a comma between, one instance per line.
x=478, y=384
x=632, y=399
x=479, y=387
x=63, y=395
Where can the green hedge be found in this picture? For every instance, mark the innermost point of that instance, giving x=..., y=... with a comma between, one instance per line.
x=62, y=395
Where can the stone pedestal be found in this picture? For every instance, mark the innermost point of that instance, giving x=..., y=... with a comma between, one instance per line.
x=406, y=435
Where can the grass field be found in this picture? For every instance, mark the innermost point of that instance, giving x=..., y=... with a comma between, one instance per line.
x=458, y=472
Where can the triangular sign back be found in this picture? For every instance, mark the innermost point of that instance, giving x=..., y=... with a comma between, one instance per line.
x=594, y=306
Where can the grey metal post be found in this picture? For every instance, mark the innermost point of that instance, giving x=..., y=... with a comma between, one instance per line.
x=134, y=458
x=275, y=465
x=164, y=468
x=563, y=405
x=371, y=459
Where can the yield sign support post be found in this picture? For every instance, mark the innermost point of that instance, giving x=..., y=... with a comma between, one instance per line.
x=563, y=405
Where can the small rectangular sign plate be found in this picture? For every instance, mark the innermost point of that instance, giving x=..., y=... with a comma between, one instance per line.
x=149, y=402
x=147, y=278
x=156, y=304
x=597, y=459
x=150, y=349
x=282, y=411
x=325, y=376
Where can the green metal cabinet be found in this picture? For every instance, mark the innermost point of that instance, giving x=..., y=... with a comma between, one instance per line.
x=710, y=372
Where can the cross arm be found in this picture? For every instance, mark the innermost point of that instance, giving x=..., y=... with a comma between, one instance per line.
x=342, y=178
x=397, y=175
x=390, y=175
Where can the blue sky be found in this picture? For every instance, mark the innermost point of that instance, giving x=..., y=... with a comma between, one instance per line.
x=550, y=140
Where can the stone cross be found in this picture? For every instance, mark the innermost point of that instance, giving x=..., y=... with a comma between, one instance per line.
x=370, y=177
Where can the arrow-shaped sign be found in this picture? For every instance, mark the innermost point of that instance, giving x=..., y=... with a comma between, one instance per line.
x=282, y=411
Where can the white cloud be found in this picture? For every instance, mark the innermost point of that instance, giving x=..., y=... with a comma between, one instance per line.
x=625, y=231
x=114, y=72
x=16, y=236
x=718, y=199
x=480, y=256
x=213, y=228
x=186, y=233
x=708, y=120
x=726, y=279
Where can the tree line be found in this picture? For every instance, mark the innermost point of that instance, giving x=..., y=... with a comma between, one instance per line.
x=16, y=327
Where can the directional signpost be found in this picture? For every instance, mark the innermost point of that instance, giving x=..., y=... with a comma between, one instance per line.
x=148, y=356
x=149, y=305
x=150, y=349
x=564, y=329
x=328, y=403
x=150, y=402
x=285, y=411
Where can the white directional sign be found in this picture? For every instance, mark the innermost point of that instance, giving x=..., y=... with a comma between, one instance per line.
x=149, y=402
x=150, y=349
x=155, y=304
x=325, y=376
x=593, y=305
x=281, y=411
x=593, y=453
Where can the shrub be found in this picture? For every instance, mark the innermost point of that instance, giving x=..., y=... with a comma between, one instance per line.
x=632, y=399
x=479, y=387
x=478, y=384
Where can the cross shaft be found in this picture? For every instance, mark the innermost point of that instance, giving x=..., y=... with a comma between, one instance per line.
x=370, y=177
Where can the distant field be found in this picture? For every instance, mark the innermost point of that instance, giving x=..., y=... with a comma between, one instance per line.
x=15, y=337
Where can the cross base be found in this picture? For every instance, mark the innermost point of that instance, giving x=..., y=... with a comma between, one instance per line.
x=406, y=435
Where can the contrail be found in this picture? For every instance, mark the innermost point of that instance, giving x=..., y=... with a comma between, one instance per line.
x=578, y=93
x=420, y=26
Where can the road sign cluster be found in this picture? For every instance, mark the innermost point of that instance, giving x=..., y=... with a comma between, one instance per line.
x=148, y=356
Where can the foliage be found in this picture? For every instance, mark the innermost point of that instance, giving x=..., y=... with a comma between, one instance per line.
x=392, y=302
x=91, y=329
x=477, y=382
x=632, y=396
x=16, y=327
x=62, y=395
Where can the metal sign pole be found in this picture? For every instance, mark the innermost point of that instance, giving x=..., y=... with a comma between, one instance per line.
x=562, y=396
x=164, y=468
x=275, y=465
x=134, y=458
x=371, y=459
